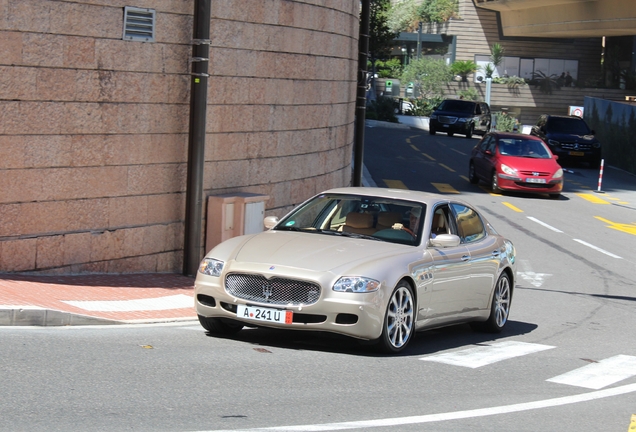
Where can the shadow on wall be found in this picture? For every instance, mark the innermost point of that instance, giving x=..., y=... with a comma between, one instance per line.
x=615, y=126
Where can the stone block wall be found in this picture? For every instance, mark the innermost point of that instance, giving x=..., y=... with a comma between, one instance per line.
x=94, y=129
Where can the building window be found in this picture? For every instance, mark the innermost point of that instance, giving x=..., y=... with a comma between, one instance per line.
x=139, y=24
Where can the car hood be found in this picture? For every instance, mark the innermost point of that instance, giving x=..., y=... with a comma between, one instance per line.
x=314, y=252
x=571, y=137
x=530, y=164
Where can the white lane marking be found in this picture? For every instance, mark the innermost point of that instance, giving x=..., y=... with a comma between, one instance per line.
x=598, y=375
x=533, y=219
x=535, y=279
x=179, y=301
x=485, y=355
x=456, y=415
x=597, y=249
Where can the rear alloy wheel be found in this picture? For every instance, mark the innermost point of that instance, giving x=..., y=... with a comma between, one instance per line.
x=220, y=326
x=494, y=184
x=399, y=320
x=472, y=175
x=499, y=308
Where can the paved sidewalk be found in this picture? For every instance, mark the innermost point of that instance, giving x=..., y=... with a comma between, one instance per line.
x=95, y=299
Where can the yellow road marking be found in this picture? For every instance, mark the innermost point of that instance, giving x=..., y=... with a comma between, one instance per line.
x=430, y=157
x=414, y=148
x=408, y=141
x=487, y=189
x=447, y=167
x=628, y=228
x=445, y=188
x=394, y=184
x=592, y=198
x=632, y=424
x=510, y=206
x=464, y=177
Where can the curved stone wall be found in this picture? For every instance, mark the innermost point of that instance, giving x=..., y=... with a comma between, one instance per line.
x=94, y=129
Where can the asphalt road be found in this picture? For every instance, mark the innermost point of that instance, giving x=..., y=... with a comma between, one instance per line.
x=565, y=362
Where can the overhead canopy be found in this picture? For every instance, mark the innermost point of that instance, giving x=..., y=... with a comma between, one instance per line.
x=564, y=18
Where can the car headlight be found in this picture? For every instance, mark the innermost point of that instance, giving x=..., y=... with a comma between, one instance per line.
x=507, y=170
x=558, y=174
x=553, y=142
x=462, y=120
x=356, y=284
x=596, y=145
x=211, y=267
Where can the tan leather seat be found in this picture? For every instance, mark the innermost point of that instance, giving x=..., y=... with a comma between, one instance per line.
x=439, y=224
x=386, y=220
x=359, y=223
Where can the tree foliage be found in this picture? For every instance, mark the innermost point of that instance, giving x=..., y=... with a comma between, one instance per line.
x=429, y=76
x=405, y=15
x=380, y=35
x=463, y=68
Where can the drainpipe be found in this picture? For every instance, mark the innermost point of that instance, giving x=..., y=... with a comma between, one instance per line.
x=361, y=99
x=196, y=138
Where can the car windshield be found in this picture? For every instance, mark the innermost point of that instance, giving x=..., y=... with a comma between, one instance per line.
x=568, y=125
x=523, y=148
x=457, y=106
x=374, y=218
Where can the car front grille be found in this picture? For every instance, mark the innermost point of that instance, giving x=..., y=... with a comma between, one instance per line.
x=447, y=120
x=575, y=146
x=276, y=290
x=534, y=174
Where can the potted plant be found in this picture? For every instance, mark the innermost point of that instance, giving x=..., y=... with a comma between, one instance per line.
x=463, y=68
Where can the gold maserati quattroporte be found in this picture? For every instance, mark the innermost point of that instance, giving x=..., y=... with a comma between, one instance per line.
x=371, y=263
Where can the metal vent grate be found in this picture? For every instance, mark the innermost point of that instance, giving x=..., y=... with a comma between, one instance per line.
x=139, y=24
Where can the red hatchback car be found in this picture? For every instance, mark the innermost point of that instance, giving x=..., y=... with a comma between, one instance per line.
x=516, y=162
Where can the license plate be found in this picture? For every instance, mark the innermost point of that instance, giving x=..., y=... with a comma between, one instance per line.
x=445, y=125
x=535, y=180
x=573, y=153
x=264, y=314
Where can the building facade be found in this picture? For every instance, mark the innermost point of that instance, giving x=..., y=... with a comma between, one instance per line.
x=94, y=122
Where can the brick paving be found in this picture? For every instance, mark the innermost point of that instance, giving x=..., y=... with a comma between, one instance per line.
x=51, y=292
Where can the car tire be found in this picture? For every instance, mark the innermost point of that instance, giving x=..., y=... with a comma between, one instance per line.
x=431, y=130
x=471, y=129
x=220, y=326
x=494, y=183
x=399, y=320
x=472, y=175
x=499, y=307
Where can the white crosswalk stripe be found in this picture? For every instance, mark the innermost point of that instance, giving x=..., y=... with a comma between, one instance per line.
x=487, y=354
x=598, y=375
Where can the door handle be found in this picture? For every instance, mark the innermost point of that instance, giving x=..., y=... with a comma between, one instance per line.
x=465, y=258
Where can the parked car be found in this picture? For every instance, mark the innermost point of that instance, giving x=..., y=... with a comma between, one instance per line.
x=371, y=263
x=569, y=137
x=460, y=116
x=515, y=162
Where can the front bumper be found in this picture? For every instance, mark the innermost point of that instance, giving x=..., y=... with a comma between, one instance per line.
x=510, y=183
x=359, y=315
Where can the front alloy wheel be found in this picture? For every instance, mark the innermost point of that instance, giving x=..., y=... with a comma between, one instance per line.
x=472, y=175
x=494, y=185
x=399, y=320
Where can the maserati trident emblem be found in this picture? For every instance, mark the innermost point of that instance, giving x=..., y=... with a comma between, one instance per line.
x=267, y=291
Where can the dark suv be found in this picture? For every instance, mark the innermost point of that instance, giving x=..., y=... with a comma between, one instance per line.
x=460, y=116
x=569, y=137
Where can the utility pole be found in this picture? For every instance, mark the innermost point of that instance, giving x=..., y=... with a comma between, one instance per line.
x=196, y=138
x=419, y=41
x=361, y=99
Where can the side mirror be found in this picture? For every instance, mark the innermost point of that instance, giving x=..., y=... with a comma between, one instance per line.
x=270, y=222
x=445, y=240
x=555, y=157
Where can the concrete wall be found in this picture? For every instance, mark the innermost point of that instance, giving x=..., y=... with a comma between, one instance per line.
x=94, y=129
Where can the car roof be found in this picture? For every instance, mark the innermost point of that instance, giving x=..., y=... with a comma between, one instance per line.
x=404, y=194
x=515, y=135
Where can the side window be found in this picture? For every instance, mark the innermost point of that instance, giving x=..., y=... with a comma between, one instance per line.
x=485, y=109
x=470, y=226
x=485, y=143
x=477, y=109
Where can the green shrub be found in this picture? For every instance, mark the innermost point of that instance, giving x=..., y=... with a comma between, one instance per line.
x=423, y=107
x=469, y=94
x=504, y=122
x=382, y=109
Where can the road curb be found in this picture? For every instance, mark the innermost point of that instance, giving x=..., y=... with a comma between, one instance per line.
x=41, y=317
